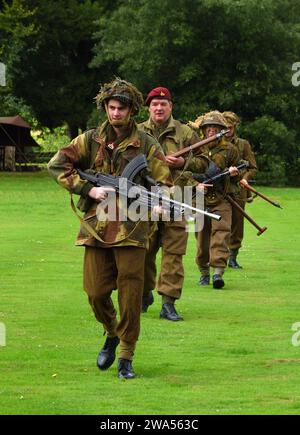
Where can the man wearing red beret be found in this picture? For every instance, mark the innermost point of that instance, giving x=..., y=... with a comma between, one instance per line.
x=170, y=236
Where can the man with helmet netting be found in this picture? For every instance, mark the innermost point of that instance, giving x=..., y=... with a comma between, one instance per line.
x=212, y=241
x=114, y=249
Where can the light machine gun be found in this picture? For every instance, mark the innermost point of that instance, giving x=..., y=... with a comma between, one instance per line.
x=125, y=186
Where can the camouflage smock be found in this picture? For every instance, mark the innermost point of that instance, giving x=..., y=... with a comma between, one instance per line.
x=88, y=150
x=246, y=153
x=224, y=155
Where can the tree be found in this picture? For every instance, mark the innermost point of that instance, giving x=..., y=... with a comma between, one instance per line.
x=227, y=55
x=51, y=72
x=15, y=29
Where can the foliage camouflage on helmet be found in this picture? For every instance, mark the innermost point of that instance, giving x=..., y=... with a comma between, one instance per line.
x=214, y=117
x=193, y=125
x=231, y=118
x=197, y=122
x=120, y=90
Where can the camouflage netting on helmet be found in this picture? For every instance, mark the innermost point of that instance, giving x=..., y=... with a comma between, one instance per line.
x=120, y=90
x=196, y=124
x=231, y=118
x=213, y=118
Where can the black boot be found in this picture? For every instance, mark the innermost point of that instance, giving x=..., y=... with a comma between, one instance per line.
x=232, y=259
x=204, y=280
x=147, y=301
x=168, y=312
x=218, y=281
x=107, y=354
x=125, y=369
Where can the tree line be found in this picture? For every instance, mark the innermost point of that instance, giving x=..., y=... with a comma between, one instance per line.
x=212, y=54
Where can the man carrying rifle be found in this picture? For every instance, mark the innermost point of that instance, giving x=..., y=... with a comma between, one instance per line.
x=245, y=153
x=212, y=241
x=170, y=236
x=114, y=249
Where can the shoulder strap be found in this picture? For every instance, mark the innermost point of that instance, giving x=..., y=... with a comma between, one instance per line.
x=94, y=233
x=93, y=145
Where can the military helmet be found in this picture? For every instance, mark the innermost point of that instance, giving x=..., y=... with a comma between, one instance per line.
x=214, y=117
x=120, y=90
x=231, y=118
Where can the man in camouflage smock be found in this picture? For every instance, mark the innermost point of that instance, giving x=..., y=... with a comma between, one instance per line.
x=245, y=153
x=170, y=236
x=114, y=250
x=212, y=241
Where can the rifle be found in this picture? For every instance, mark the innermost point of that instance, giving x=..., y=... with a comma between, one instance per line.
x=241, y=210
x=251, y=189
x=142, y=195
x=217, y=177
x=199, y=144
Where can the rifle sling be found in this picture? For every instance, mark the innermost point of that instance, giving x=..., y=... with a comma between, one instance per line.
x=93, y=232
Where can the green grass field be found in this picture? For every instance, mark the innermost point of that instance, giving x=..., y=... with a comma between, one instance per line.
x=232, y=354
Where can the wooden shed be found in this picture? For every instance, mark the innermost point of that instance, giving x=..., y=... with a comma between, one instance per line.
x=15, y=140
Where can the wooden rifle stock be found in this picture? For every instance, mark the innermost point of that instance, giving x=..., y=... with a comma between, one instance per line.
x=241, y=210
x=276, y=204
x=199, y=144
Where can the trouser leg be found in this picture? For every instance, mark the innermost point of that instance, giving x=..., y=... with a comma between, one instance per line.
x=174, y=241
x=99, y=280
x=220, y=235
x=101, y=267
x=171, y=277
x=130, y=265
x=150, y=262
x=237, y=227
x=203, y=246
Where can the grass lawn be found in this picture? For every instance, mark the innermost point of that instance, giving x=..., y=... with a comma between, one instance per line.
x=232, y=354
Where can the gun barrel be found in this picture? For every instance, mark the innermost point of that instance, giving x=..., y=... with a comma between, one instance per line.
x=198, y=210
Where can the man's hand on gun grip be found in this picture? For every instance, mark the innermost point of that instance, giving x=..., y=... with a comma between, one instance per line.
x=100, y=193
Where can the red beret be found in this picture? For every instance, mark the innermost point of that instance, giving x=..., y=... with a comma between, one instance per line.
x=160, y=92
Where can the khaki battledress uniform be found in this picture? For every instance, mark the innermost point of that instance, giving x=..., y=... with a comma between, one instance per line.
x=237, y=225
x=118, y=261
x=212, y=241
x=170, y=236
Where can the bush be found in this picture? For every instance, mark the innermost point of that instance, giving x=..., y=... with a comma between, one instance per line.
x=51, y=140
x=276, y=150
